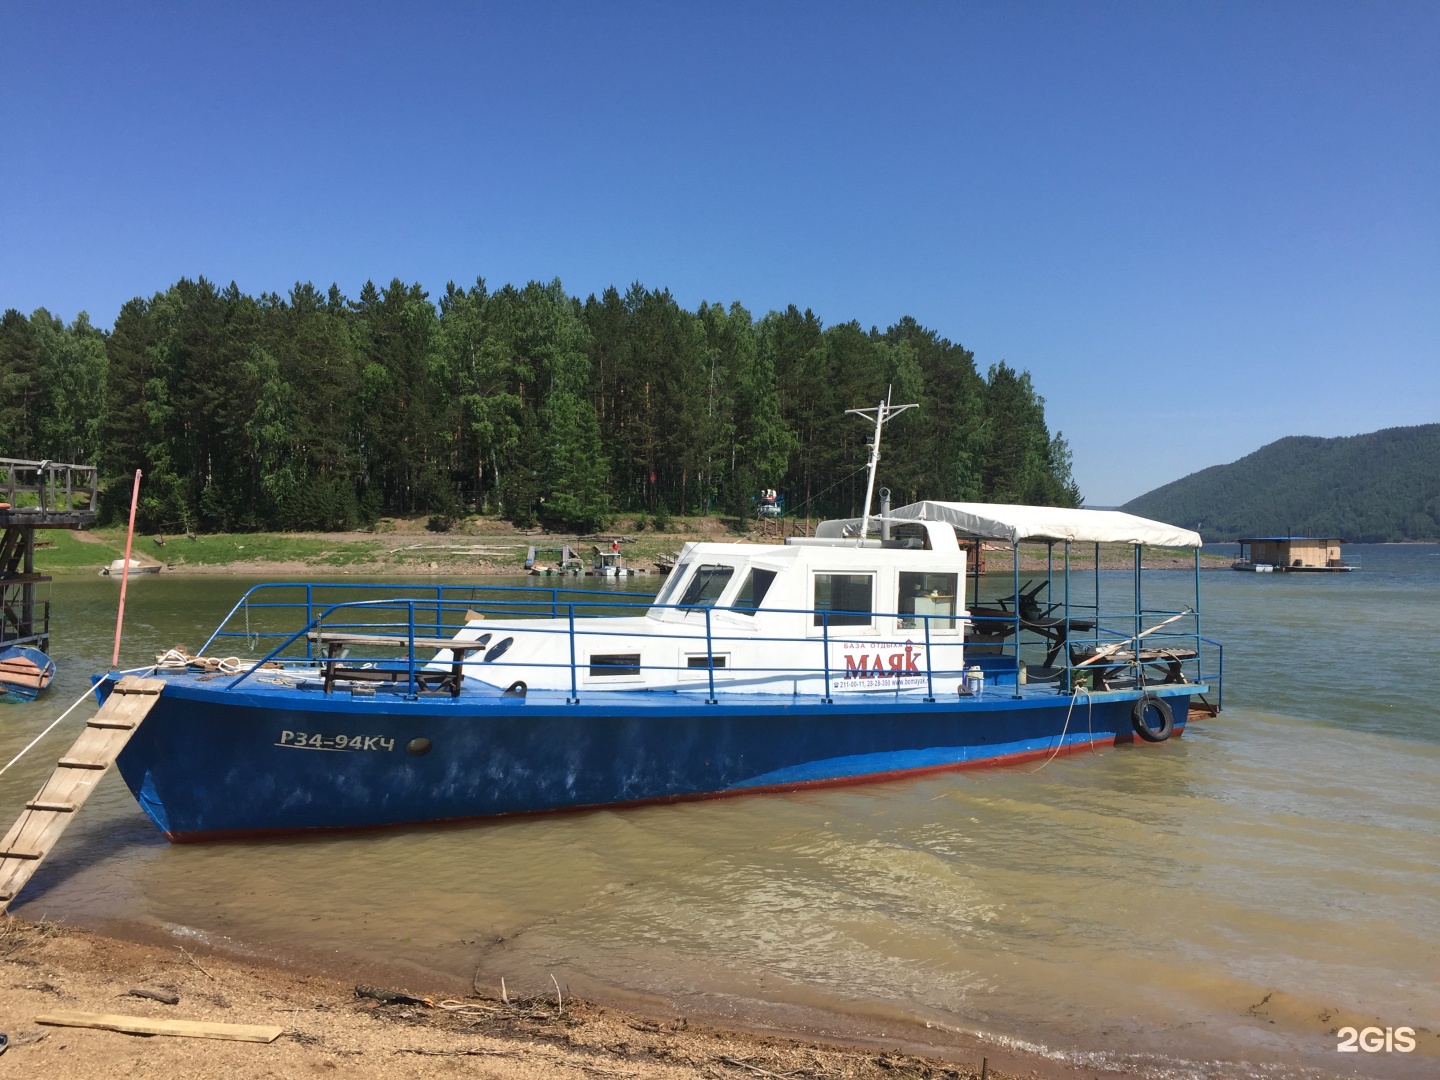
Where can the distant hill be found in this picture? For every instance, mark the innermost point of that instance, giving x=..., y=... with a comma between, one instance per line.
x=1376, y=487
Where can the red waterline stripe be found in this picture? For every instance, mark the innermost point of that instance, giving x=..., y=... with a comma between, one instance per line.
x=1017, y=758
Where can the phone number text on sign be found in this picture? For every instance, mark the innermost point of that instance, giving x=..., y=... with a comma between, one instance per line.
x=302, y=740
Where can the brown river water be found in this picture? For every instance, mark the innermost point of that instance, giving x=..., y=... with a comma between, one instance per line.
x=1216, y=906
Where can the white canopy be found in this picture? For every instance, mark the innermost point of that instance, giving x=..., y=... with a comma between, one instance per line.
x=1013, y=524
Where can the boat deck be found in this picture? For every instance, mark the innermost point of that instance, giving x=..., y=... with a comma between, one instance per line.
x=305, y=687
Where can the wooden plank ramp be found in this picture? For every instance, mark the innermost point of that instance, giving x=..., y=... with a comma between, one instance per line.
x=76, y=775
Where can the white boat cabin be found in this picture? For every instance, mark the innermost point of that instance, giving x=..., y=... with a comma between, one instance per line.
x=839, y=612
x=834, y=613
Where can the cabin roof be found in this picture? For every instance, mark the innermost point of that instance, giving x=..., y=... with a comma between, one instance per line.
x=1012, y=524
x=1290, y=539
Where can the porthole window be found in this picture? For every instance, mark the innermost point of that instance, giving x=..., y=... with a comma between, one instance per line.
x=498, y=649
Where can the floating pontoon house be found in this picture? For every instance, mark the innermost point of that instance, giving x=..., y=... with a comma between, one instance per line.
x=1291, y=554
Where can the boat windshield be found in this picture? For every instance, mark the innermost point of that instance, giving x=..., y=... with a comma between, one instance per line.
x=752, y=592
x=706, y=586
x=676, y=576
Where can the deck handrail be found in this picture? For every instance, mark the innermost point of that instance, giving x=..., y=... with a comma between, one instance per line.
x=48, y=488
x=578, y=625
x=315, y=627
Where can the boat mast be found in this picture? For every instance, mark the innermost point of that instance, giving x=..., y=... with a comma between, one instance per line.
x=883, y=412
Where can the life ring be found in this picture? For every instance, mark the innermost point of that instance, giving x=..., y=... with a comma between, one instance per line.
x=1140, y=718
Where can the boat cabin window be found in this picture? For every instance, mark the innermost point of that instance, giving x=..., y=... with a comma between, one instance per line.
x=752, y=592
x=706, y=586
x=850, y=595
x=614, y=664
x=927, y=594
x=676, y=576
x=911, y=535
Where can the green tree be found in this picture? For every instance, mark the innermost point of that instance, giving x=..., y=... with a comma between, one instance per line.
x=72, y=380
x=131, y=354
x=760, y=441
x=1022, y=464
x=310, y=411
x=400, y=401
x=945, y=439
x=20, y=387
x=575, y=468
x=310, y=433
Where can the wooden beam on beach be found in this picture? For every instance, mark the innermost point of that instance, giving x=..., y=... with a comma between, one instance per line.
x=147, y=1025
x=77, y=774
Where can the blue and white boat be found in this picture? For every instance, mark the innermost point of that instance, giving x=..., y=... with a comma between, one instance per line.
x=836, y=659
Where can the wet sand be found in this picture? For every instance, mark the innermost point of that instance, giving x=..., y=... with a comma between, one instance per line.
x=328, y=1025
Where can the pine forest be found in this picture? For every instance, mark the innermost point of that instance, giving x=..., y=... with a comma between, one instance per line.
x=313, y=411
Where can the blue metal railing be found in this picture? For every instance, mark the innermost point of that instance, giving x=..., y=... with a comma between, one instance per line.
x=440, y=611
x=376, y=617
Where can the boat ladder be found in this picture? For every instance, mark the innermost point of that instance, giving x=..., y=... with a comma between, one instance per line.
x=77, y=774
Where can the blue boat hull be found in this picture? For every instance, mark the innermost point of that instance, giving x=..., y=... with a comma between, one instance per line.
x=209, y=763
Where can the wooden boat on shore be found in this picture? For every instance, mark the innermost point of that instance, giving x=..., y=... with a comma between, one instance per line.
x=25, y=673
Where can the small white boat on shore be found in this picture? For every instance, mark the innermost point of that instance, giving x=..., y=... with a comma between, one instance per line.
x=117, y=568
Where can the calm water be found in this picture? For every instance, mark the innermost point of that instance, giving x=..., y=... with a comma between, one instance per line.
x=1211, y=907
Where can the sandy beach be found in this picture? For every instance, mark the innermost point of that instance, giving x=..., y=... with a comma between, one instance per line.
x=328, y=1024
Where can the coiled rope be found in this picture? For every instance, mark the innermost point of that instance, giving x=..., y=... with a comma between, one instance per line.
x=180, y=660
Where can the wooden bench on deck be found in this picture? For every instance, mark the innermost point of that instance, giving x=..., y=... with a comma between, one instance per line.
x=451, y=680
x=1170, y=659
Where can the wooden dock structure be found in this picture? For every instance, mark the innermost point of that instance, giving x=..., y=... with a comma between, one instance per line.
x=36, y=495
x=76, y=775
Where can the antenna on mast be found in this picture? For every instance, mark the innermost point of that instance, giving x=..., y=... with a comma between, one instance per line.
x=883, y=412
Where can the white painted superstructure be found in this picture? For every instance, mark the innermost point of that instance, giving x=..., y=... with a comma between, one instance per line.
x=884, y=616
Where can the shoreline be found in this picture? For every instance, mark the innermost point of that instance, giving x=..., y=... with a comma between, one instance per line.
x=327, y=1024
x=486, y=549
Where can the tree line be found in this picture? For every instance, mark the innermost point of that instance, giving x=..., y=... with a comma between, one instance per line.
x=314, y=411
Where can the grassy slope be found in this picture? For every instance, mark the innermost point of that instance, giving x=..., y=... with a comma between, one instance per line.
x=72, y=556
x=68, y=555
x=403, y=547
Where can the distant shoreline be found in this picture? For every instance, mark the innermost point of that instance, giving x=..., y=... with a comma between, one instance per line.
x=480, y=548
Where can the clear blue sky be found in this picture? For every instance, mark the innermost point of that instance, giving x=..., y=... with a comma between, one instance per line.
x=1200, y=226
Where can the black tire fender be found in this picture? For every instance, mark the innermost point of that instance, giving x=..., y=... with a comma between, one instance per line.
x=1140, y=718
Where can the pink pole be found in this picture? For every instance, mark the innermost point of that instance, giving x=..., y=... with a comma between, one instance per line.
x=125, y=571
